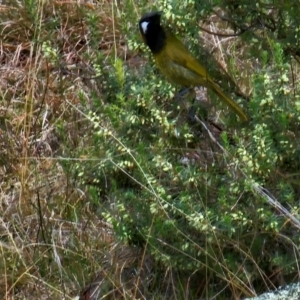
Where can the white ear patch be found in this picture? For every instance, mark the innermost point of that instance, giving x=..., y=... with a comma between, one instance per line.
x=144, y=26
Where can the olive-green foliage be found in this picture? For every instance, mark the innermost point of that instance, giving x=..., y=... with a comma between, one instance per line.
x=203, y=215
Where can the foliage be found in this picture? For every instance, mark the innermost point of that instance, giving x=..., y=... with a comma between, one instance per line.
x=102, y=161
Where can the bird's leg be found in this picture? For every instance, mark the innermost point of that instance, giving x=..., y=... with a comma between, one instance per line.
x=183, y=94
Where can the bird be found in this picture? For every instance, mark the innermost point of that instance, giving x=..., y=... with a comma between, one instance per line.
x=175, y=61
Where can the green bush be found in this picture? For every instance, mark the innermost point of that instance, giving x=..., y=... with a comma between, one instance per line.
x=206, y=214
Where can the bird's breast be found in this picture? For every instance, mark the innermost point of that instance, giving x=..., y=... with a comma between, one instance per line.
x=177, y=73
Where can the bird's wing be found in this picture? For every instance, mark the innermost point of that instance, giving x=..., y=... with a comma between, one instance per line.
x=179, y=54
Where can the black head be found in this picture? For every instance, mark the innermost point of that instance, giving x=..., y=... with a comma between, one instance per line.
x=151, y=30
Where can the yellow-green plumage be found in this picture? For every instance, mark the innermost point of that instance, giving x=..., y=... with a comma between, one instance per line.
x=175, y=61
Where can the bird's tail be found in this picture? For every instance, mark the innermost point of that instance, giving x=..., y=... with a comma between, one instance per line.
x=231, y=103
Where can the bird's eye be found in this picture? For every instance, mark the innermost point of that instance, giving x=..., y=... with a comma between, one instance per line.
x=144, y=26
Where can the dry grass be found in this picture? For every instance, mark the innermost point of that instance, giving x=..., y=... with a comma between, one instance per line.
x=44, y=69
x=37, y=196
